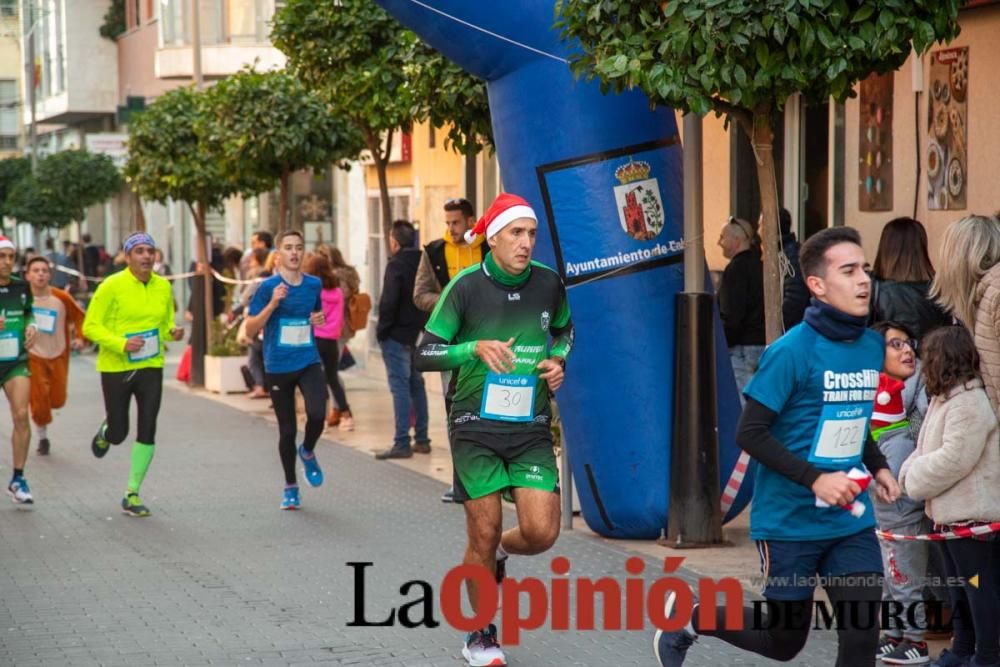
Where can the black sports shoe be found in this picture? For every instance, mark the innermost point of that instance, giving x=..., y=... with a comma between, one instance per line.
x=907, y=652
x=99, y=445
x=886, y=644
x=43, y=447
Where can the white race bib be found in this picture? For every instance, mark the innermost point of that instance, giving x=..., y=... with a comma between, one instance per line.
x=150, y=345
x=45, y=320
x=508, y=398
x=10, y=346
x=294, y=332
x=841, y=435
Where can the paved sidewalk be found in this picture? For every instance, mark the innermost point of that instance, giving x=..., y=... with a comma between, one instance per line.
x=218, y=575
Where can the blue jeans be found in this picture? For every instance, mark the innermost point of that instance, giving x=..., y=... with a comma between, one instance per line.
x=745, y=359
x=407, y=387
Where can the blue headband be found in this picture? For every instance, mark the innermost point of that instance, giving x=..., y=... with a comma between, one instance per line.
x=139, y=238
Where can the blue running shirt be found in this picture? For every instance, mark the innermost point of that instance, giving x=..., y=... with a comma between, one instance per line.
x=288, y=337
x=823, y=392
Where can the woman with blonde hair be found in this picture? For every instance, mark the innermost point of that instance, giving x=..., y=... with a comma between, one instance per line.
x=967, y=285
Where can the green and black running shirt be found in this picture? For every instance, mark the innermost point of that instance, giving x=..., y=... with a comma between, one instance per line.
x=483, y=303
x=15, y=305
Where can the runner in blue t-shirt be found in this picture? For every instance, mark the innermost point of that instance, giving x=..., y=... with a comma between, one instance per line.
x=806, y=425
x=286, y=306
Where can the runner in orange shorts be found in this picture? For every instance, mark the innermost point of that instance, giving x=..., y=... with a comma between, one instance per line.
x=60, y=327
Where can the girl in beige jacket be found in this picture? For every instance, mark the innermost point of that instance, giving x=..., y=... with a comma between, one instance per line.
x=955, y=469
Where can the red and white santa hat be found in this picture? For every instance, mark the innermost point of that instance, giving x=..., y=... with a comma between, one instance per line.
x=6, y=243
x=505, y=209
x=888, y=402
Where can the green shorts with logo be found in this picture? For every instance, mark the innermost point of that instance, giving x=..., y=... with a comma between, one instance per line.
x=489, y=462
x=18, y=369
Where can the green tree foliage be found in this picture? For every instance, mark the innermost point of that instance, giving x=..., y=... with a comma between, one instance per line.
x=66, y=184
x=266, y=125
x=167, y=158
x=114, y=20
x=12, y=170
x=379, y=76
x=744, y=58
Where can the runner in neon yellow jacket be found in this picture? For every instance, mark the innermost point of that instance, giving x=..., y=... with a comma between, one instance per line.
x=130, y=317
x=125, y=306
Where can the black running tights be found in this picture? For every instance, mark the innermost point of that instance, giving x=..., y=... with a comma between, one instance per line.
x=146, y=384
x=312, y=384
x=782, y=631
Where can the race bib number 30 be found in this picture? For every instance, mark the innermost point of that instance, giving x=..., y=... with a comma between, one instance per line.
x=841, y=435
x=508, y=398
x=294, y=332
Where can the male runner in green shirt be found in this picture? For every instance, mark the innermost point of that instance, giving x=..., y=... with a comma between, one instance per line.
x=17, y=334
x=492, y=326
x=130, y=317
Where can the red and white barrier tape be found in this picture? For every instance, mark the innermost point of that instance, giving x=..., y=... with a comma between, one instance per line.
x=735, y=482
x=173, y=276
x=957, y=533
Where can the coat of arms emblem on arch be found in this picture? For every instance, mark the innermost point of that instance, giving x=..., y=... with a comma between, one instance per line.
x=637, y=198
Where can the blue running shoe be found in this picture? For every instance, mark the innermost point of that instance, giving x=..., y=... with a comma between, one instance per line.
x=670, y=648
x=290, y=499
x=313, y=474
x=19, y=492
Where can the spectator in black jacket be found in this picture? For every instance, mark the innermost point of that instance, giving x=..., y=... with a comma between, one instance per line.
x=741, y=299
x=902, y=276
x=795, y=294
x=399, y=324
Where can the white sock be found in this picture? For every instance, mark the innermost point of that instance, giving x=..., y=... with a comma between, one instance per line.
x=42, y=432
x=501, y=553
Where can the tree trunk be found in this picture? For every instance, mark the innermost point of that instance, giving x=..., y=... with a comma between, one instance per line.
x=762, y=140
x=381, y=158
x=140, y=215
x=283, y=201
x=202, y=316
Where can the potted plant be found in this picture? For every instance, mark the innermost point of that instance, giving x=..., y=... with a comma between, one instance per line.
x=223, y=361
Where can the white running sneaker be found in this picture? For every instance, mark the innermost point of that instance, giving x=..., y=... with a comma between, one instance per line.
x=19, y=492
x=482, y=649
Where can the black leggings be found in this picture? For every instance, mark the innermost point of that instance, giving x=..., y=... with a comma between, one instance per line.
x=975, y=608
x=329, y=352
x=146, y=384
x=783, y=637
x=310, y=382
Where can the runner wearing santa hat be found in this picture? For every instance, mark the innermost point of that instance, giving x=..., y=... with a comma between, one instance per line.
x=492, y=326
x=17, y=335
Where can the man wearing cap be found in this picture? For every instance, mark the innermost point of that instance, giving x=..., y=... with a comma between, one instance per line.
x=59, y=320
x=17, y=335
x=442, y=260
x=130, y=317
x=492, y=326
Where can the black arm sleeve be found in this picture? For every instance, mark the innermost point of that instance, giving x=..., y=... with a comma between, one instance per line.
x=753, y=435
x=872, y=457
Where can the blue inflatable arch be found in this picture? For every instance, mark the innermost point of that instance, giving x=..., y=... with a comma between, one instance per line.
x=604, y=172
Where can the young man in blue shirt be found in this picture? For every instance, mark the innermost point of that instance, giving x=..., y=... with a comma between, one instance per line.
x=286, y=306
x=806, y=425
